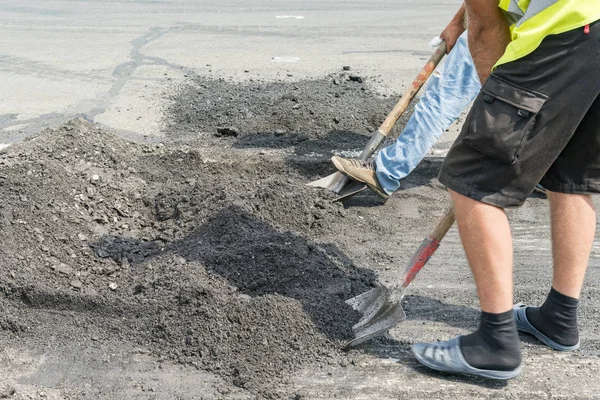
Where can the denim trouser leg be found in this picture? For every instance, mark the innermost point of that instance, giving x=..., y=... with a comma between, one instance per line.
x=448, y=92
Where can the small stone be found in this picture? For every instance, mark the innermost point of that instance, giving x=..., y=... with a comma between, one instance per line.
x=82, y=237
x=76, y=284
x=63, y=269
x=228, y=131
x=336, y=120
x=356, y=78
x=290, y=97
x=321, y=204
x=95, y=178
x=7, y=392
x=181, y=260
x=346, y=68
x=112, y=286
x=244, y=297
x=102, y=253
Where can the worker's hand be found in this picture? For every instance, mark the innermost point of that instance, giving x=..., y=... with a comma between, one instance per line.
x=451, y=33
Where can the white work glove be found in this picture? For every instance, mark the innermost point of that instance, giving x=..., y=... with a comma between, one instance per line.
x=436, y=41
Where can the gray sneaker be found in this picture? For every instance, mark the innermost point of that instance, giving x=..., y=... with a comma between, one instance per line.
x=447, y=357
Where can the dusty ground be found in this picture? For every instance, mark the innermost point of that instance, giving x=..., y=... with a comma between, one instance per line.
x=203, y=267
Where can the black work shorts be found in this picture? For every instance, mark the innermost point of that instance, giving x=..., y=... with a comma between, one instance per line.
x=536, y=120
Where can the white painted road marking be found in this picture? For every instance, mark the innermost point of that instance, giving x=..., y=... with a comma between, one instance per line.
x=285, y=59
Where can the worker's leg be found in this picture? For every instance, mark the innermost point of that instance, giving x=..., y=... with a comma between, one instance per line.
x=573, y=228
x=487, y=241
x=449, y=91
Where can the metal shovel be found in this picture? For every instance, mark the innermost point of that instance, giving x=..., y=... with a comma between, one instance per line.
x=380, y=307
x=344, y=186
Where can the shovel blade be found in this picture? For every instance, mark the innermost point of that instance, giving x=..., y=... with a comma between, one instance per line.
x=379, y=311
x=369, y=301
x=340, y=184
x=352, y=188
x=334, y=182
x=390, y=316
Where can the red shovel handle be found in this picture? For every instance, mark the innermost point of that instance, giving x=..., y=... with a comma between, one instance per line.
x=428, y=246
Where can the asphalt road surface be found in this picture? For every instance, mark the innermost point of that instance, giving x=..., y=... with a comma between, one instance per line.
x=114, y=62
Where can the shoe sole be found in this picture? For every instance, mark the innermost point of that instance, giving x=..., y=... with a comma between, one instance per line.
x=341, y=168
x=523, y=325
x=466, y=369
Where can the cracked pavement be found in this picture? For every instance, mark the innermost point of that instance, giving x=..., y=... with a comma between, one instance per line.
x=115, y=63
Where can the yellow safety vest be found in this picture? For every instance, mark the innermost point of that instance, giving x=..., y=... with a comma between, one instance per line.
x=532, y=20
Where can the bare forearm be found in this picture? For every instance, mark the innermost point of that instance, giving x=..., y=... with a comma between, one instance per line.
x=460, y=18
x=488, y=35
x=455, y=28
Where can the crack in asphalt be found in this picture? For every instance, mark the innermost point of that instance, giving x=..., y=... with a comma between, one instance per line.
x=88, y=109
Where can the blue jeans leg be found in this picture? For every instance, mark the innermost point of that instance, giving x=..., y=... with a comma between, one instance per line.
x=449, y=91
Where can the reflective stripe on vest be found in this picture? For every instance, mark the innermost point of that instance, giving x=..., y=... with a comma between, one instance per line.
x=512, y=9
x=532, y=20
x=535, y=7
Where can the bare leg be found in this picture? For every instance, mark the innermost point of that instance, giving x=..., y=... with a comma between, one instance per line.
x=494, y=347
x=487, y=240
x=485, y=234
x=573, y=225
x=573, y=228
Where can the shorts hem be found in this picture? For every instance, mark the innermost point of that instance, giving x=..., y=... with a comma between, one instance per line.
x=492, y=198
x=570, y=187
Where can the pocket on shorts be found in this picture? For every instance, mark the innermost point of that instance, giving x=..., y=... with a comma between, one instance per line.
x=501, y=118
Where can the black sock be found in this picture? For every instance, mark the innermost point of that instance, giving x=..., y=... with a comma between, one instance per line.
x=495, y=345
x=556, y=318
